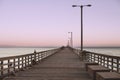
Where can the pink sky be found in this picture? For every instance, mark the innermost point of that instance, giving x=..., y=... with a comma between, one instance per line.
x=47, y=22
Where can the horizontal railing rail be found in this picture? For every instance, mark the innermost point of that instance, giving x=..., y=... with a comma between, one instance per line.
x=12, y=64
x=109, y=61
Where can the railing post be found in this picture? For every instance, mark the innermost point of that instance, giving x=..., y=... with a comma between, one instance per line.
x=91, y=57
x=100, y=60
x=117, y=65
x=31, y=59
x=14, y=62
x=35, y=55
x=22, y=62
x=107, y=62
x=28, y=61
x=8, y=66
x=25, y=62
x=41, y=56
x=38, y=57
x=94, y=57
x=2, y=67
x=103, y=60
x=112, y=64
x=18, y=63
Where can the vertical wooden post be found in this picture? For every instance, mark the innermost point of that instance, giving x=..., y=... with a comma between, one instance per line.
x=41, y=56
x=107, y=62
x=38, y=57
x=22, y=61
x=103, y=60
x=31, y=59
x=8, y=66
x=14, y=66
x=28, y=60
x=25, y=62
x=94, y=57
x=35, y=55
x=44, y=54
x=91, y=57
x=18, y=63
x=112, y=64
x=117, y=63
x=2, y=68
x=98, y=59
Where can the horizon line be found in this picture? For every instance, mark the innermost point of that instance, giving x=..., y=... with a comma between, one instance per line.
x=57, y=46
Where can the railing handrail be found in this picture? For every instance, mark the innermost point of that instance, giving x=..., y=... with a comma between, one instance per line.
x=10, y=57
x=103, y=54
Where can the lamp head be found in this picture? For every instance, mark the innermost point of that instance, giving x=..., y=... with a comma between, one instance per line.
x=89, y=5
x=74, y=5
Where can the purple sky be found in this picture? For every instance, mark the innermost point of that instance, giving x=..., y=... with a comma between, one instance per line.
x=47, y=22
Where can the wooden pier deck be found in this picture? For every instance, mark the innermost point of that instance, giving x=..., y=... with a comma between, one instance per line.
x=64, y=65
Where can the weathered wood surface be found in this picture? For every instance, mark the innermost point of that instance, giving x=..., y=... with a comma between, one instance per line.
x=64, y=65
x=107, y=76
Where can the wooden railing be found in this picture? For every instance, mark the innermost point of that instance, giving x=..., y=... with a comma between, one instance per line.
x=109, y=61
x=9, y=65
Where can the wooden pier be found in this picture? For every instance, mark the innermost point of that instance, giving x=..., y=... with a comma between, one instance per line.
x=64, y=63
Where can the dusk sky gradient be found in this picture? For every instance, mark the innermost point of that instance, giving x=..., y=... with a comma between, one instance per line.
x=47, y=22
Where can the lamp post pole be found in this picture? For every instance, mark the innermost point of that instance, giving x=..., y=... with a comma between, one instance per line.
x=81, y=7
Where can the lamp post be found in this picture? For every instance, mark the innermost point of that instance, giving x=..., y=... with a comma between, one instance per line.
x=81, y=7
x=68, y=43
x=71, y=39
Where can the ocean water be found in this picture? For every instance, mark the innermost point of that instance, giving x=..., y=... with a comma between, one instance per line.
x=5, y=52
x=109, y=51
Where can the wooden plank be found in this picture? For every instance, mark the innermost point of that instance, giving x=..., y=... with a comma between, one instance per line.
x=107, y=76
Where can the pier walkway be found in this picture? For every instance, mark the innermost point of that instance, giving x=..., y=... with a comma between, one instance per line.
x=63, y=65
